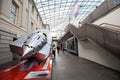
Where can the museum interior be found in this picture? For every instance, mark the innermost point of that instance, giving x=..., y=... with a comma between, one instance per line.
x=59, y=40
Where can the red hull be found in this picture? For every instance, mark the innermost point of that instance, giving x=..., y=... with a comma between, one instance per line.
x=16, y=73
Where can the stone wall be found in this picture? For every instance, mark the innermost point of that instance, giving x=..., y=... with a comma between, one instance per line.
x=6, y=37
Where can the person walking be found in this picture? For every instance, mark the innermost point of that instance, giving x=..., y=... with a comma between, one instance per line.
x=58, y=48
x=63, y=49
x=54, y=50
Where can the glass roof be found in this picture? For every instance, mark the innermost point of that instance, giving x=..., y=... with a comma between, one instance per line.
x=58, y=13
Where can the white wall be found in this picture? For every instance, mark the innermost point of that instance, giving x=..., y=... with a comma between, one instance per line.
x=95, y=53
x=111, y=18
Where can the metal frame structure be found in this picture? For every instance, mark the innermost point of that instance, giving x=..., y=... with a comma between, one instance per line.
x=57, y=13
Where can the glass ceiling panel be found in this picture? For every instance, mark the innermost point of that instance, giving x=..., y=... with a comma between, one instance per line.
x=57, y=13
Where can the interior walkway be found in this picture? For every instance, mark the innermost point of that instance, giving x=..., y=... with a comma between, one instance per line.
x=70, y=67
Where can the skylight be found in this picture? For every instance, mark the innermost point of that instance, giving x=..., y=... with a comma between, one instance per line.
x=58, y=13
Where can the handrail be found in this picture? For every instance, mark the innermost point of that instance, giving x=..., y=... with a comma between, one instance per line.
x=111, y=27
x=109, y=24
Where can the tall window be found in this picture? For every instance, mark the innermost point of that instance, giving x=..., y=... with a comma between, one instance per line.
x=32, y=9
x=37, y=17
x=13, y=12
x=32, y=26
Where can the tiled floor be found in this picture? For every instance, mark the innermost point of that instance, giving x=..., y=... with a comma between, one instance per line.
x=70, y=67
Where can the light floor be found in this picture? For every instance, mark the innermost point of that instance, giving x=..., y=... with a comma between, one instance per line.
x=70, y=67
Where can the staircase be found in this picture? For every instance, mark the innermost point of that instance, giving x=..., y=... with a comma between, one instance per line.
x=107, y=38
